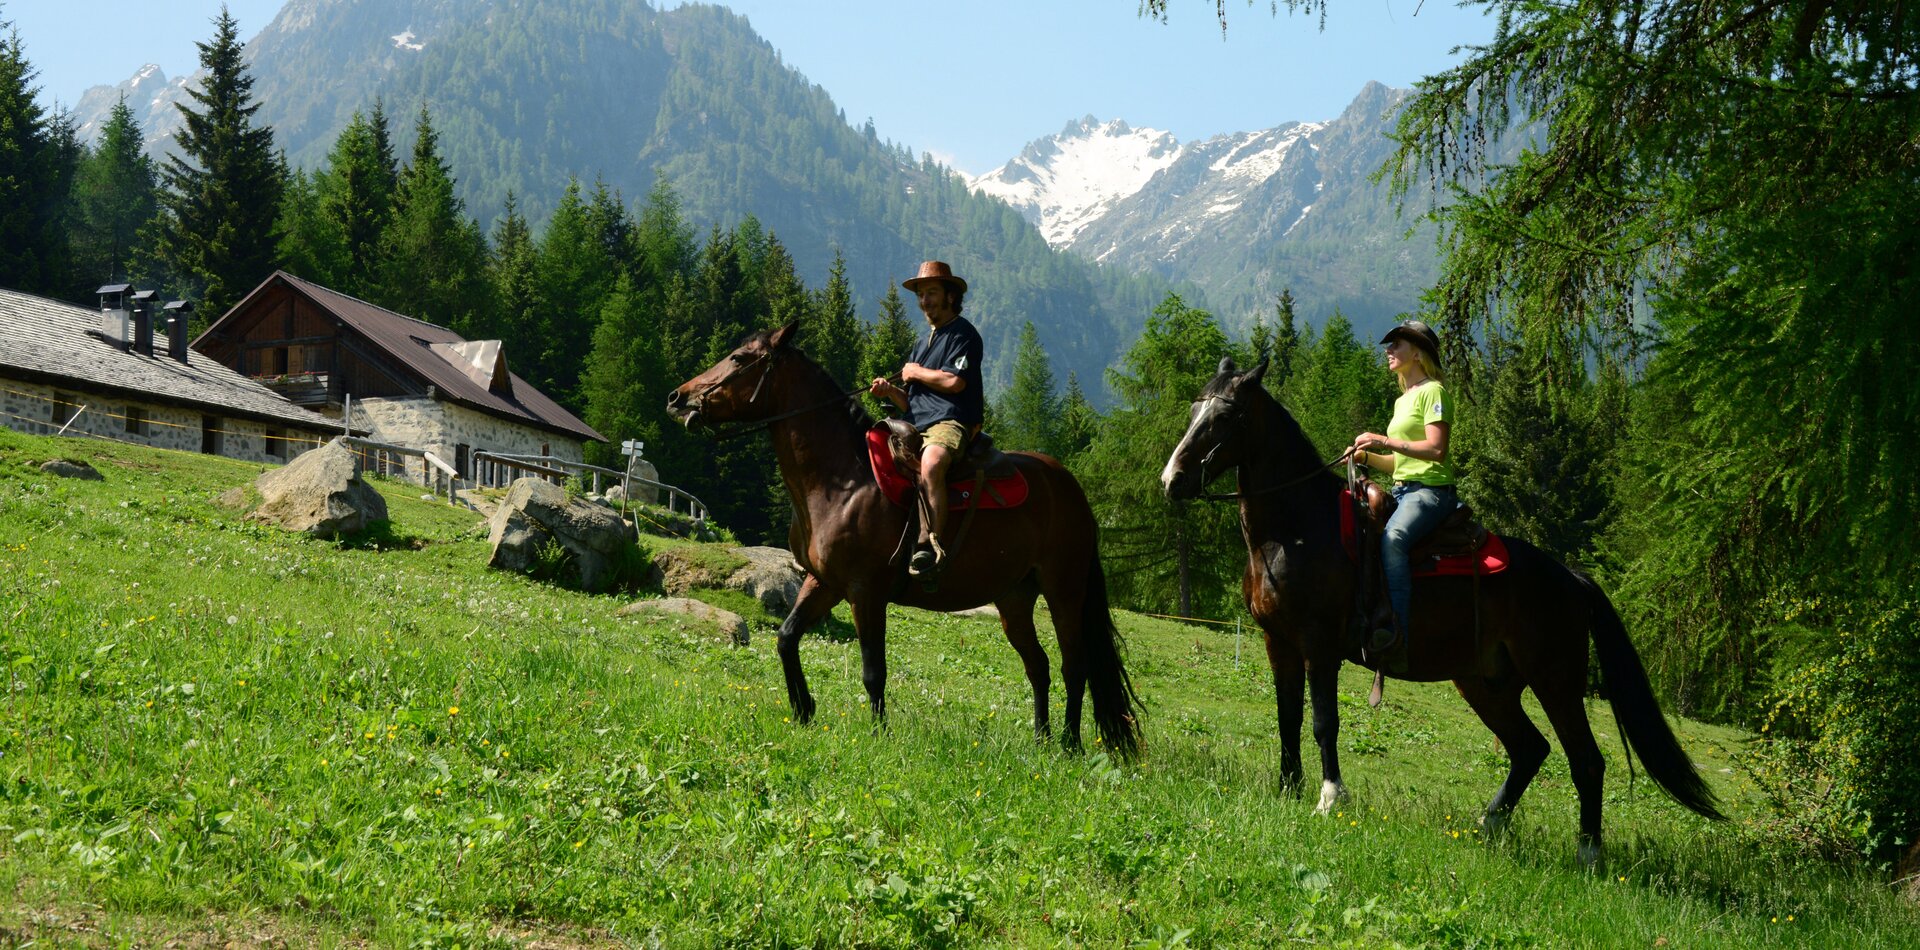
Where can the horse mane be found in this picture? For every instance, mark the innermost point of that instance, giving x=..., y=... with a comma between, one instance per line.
x=1284, y=429
x=856, y=409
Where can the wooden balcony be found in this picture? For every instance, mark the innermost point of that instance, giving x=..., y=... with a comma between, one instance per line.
x=301, y=389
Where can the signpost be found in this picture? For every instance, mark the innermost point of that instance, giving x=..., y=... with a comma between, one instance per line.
x=631, y=449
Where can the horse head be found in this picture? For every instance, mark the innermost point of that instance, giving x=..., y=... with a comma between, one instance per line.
x=735, y=389
x=1213, y=442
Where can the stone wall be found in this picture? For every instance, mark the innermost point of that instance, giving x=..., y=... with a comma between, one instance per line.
x=441, y=427
x=33, y=407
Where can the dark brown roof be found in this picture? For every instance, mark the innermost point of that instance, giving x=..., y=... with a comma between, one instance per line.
x=413, y=343
x=59, y=343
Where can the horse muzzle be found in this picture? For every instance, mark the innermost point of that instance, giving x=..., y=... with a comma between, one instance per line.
x=684, y=409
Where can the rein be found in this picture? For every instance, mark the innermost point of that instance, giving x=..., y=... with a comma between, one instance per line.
x=1289, y=483
x=752, y=427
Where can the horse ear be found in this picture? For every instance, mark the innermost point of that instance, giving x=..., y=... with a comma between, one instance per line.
x=1253, y=375
x=1226, y=364
x=784, y=336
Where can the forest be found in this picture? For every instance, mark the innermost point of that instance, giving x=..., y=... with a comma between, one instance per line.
x=1677, y=328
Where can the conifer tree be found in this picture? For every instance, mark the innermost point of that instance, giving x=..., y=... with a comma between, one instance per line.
x=223, y=188
x=115, y=194
x=575, y=274
x=305, y=240
x=1161, y=556
x=31, y=247
x=357, y=194
x=888, y=345
x=623, y=376
x=432, y=256
x=1079, y=420
x=514, y=309
x=1340, y=390
x=1286, y=342
x=1026, y=416
x=833, y=336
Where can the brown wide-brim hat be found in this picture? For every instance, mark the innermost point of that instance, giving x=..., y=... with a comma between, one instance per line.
x=931, y=271
x=1417, y=333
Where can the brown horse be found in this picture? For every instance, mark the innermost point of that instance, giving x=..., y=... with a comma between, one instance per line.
x=849, y=537
x=1530, y=628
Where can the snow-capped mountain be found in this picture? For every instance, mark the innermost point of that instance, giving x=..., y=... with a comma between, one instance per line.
x=1064, y=182
x=1241, y=215
x=314, y=58
x=150, y=95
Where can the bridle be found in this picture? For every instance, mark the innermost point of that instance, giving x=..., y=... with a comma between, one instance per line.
x=766, y=358
x=1206, y=462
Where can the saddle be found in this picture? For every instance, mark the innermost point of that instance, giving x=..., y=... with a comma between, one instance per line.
x=984, y=478
x=1450, y=549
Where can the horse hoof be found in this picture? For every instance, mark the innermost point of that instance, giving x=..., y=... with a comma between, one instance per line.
x=1331, y=794
x=1590, y=856
x=1494, y=824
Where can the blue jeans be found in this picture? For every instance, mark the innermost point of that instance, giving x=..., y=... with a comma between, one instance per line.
x=1421, y=508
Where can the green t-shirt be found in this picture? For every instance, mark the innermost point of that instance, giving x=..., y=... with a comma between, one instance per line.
x=1417, y=408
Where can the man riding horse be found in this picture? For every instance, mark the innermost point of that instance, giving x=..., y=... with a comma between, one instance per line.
x=943, y=398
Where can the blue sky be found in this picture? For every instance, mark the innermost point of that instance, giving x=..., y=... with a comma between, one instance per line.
x=972, y=81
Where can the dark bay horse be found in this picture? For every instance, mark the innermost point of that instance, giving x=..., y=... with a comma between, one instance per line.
x=848, y=537
x=1534, y=618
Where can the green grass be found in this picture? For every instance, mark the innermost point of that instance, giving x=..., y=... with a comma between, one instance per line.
x=214, y=726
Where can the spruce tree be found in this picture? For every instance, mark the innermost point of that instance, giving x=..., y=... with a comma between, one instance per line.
x=1340, y=390
x=1079, y=421
x=514, y=312
x=306, y=242
x=833, y=334
x=887, y=346
x=115, y=194
x=575, y=273
x=223, y=188
x=357, y=193
x=1027, y=414
x=432, y=256
x=622, y=382
x=31, y=247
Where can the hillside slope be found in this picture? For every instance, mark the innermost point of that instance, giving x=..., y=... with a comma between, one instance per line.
x=210, y=721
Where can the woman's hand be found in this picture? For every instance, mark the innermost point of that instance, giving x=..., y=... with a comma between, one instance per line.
x=1370, y=442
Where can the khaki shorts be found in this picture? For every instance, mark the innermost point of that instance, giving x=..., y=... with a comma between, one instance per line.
x=949, y=434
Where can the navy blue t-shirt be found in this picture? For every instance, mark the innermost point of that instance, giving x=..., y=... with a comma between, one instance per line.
x=954, y=348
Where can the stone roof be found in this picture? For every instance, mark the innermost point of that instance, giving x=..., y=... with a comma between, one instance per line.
x=48, y=341
x=460, y=370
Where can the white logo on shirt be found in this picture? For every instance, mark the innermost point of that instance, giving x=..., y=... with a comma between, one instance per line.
x=960, y=364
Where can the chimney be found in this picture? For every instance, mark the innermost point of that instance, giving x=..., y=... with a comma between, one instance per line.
x=177, y=311
x=144, y=302
x=113, y=312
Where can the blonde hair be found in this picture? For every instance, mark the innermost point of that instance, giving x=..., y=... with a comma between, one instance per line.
x=1429, y=365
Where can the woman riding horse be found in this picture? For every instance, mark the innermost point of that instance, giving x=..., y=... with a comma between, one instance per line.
x=1414, y=452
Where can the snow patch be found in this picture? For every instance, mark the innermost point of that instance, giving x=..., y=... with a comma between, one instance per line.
x=405, y=40
x=1296, y=221
x=1067, y=182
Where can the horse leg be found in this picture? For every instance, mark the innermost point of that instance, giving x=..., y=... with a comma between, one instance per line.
x=1289, y=685
x=809, y=608
x=1323, y=681
x=1065, y=604
x=1568, y=714
x=1016, y=619
x=870, y=622
x=1526, y=748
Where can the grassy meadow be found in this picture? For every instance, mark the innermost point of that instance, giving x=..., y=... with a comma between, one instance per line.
x=215, y=733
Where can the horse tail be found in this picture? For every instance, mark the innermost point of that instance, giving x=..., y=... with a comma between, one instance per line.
x=1115, y=705
x=1642, y=726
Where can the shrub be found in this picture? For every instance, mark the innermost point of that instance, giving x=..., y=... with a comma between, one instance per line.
x=1838, y=752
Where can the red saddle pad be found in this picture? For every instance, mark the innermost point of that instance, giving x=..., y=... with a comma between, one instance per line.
x=1008, y=492
x=1490, y=559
